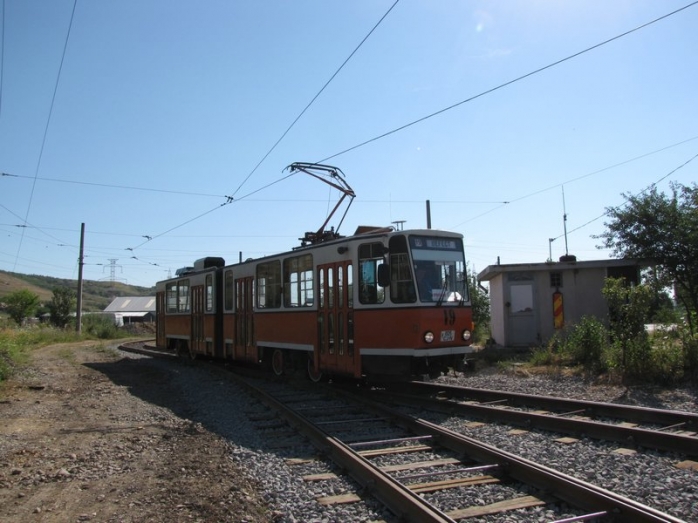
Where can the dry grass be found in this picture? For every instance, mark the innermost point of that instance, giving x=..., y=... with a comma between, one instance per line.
x=10, y=284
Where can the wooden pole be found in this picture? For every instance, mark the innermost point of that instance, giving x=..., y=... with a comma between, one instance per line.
x=78, y=315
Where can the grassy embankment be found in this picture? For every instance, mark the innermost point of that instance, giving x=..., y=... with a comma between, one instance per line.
x=16, y=344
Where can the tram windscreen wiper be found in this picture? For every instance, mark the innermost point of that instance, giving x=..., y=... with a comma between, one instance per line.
x=443, y=293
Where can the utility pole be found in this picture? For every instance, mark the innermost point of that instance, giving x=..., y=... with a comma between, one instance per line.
x=78, y=315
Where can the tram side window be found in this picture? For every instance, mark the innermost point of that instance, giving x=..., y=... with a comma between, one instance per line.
x=269, y=285
x=209, y=292
x=172, y=297
x=298, y=281
x=401, y=283
x=229, y=284
x=370, y=258
x=183, y=296
x=350, y=286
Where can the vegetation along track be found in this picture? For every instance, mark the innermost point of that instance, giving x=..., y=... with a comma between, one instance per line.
x=423, y=472
x=636, y=427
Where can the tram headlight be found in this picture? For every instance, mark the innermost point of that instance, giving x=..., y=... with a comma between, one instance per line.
x=466, y=335
x=428, y=336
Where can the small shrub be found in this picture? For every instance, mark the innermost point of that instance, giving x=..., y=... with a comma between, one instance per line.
x=542, y=356
x=666, y=361
x=629, y=308
x=101, y=327
x=586, y=342
x=689, y=344
x=638, y=357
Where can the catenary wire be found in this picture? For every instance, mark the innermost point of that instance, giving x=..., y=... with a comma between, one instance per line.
x=407, y=125
x=230, y=200
x=571, y=180
x=48, y=122
x=316, y=96
x=114, y=186
x=217, y=207
x=506, y=84
x=25, y=224
x=210, y=195
x=654, y=184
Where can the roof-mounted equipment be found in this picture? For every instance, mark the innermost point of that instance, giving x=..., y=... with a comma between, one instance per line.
x=333, y=177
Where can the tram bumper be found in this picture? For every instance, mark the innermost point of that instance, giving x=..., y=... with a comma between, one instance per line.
x=406, y=363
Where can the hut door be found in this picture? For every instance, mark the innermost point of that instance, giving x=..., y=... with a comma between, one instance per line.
x=521, y=314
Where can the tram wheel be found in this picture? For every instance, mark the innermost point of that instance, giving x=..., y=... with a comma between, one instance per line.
x=277, y=362
x=314, y=376
x=184, y=351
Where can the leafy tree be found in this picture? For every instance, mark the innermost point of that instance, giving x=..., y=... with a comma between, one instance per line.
x=664, y=229
x=61, y=306
x=21, y=304
x=629, y=309
x=480, y=302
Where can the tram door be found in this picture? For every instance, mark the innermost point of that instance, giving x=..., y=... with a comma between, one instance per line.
x=198, y=340
x=335, y=347
x=244, y=320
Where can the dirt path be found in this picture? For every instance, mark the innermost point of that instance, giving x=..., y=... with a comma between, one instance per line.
x=83, y=438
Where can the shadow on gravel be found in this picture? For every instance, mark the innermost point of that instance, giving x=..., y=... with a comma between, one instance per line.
x=197, y=393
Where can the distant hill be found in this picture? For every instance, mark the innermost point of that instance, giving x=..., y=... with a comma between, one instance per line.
x=96, y=295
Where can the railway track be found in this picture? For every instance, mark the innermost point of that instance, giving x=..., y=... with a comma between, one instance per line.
x=635, y=427
x=422, y=472
x=359, y=434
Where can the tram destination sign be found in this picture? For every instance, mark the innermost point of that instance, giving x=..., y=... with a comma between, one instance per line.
x=441, y=244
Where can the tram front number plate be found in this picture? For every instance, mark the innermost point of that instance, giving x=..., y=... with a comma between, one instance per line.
x=448, y=335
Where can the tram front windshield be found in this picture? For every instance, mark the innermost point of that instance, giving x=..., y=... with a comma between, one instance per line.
x=439, y=269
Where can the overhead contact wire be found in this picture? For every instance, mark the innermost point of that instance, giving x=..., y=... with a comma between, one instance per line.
x=231, y=198
x=48, y=122
x=506, y=84
x=229, y=201
x=653, y=184
x=317, y=95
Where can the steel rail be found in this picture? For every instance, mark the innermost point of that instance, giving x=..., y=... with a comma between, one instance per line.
x=562, y=486
x=599, y=409
x=629, y=436
x=410, y=507
x=400, y=500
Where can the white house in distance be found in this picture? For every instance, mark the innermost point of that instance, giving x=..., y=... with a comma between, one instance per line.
x=530, y=301
x=132, y=309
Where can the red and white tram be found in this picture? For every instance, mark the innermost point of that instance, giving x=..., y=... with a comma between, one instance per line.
x=378, y=303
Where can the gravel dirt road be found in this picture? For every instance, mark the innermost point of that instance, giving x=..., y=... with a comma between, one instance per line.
x=87, y=435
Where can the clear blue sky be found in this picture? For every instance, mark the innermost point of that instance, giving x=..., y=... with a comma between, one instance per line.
x=164, y=108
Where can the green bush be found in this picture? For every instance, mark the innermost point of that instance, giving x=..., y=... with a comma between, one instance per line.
x=586, y=343
x=689, y=345
x=543, y=356
x=101, y=327
x=629, y=310
x=666, y=360
x=551, y=353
